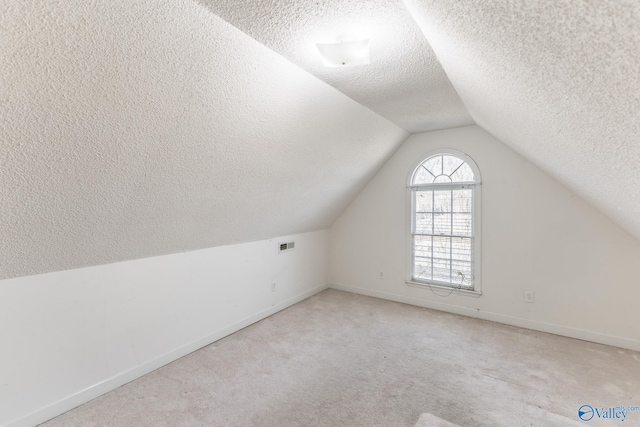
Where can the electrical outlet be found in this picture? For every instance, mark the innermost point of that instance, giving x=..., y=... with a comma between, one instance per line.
x=382, y=274
x=529, y=296
x=273, y=286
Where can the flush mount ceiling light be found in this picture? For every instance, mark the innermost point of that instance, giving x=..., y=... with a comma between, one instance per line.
x=344, y=52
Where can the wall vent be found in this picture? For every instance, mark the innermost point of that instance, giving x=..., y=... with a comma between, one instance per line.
x=286, y=246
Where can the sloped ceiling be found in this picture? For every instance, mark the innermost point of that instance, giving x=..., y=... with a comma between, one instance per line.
x=557, y=80
x=404, y=83
x=131, y=129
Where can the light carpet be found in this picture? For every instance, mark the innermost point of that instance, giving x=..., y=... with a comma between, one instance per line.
x=340, y=359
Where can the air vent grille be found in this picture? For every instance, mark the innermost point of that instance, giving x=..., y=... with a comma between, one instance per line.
x=286, y=246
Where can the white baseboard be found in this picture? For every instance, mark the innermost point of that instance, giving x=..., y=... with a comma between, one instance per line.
x=122, y=378
x=581, y=334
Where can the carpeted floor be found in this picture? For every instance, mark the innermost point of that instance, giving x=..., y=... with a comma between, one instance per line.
x=339, y=359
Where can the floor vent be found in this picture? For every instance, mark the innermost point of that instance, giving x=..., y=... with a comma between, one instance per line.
x=287, y=246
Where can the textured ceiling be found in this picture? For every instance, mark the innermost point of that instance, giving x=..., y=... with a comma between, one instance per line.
x=557, y=80
x=404, y=82
x=131, y=129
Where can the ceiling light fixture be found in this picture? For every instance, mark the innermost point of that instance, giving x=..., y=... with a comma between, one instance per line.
x=344, y=52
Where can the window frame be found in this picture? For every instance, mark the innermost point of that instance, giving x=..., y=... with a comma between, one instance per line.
x=476, y=291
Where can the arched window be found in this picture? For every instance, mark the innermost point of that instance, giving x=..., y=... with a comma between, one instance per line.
x=445, y=222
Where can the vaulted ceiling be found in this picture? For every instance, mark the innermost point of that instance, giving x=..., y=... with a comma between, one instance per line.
x=557, y=80
x=132, y=129
x=404, y=83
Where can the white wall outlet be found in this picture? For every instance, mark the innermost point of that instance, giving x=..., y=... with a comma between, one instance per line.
x=273, y=286
x=529, y=296
x=382, y=274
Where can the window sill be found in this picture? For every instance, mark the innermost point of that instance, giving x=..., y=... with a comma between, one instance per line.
x=466, y=292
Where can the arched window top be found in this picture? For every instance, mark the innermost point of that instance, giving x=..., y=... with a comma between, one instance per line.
x=445, y=168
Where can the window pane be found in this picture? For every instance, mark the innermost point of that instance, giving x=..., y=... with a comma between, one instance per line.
x=424, y=201
x=422, y=247
x=461, y=249
x=462, y=224
x=422, y=176
x=422, y=269
x=463, y=174
x=441, y=247
x=441, y=270
x=462, y=200
x=442, y=201
x=442, y=179
x=450, y=164
x=461, y=274
x=434, y=165
x=442, y=224
x=424, y=223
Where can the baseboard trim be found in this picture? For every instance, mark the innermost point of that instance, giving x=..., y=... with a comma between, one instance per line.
x=581, y=334
x=124, y=377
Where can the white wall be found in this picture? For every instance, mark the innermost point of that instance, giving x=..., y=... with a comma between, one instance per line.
x=72, y=335
x=536, y=235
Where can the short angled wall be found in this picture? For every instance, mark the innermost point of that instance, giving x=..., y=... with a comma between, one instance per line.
x=536, y=235
x=70, y=336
